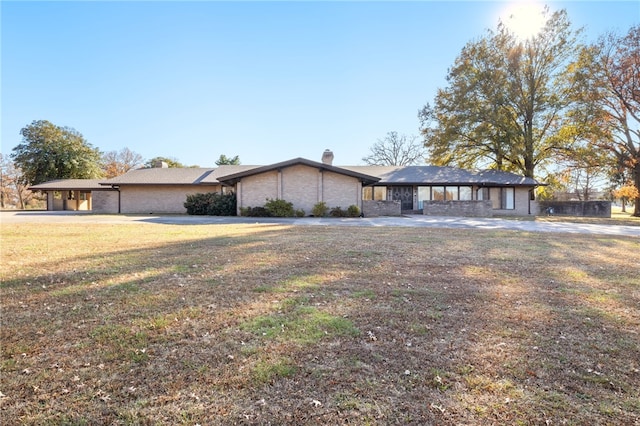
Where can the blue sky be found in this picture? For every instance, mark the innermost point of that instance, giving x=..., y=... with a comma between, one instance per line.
x=268, y=81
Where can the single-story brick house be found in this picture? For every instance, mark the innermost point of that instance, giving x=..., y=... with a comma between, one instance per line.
x=386, y=190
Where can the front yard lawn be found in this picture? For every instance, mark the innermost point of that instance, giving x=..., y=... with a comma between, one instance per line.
x=258, y=324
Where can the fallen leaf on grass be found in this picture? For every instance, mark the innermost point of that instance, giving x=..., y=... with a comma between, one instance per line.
x=438, y=407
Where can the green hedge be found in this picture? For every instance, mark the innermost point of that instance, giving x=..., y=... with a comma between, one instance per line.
x=212, y=204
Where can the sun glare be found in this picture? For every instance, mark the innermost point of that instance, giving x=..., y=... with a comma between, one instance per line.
x=524, y=19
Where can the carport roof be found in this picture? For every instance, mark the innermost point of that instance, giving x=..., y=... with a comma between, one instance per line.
x=69, y=185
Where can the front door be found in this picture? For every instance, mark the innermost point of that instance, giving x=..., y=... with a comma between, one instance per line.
x=404, y=194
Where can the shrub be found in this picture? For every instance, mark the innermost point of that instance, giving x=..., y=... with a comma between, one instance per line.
x=244, y=211
x=197, y=204
x=299, y=213
x=320, y=209
x=279, y=208
x=337, y=212
x=223, y=205
x=212, y=203
x=258, y=212
x=353, y=211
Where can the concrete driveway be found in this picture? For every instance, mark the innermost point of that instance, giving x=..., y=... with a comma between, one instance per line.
x=7, y=218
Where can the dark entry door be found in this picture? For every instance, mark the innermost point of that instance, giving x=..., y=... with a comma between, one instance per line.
x=404, y=194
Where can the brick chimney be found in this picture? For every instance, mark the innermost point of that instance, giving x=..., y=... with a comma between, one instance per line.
x=327, y=157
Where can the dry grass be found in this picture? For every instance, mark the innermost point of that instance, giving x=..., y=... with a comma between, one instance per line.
x=158, y=324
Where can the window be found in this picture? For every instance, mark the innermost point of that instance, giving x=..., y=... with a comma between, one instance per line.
x=451, y=193
x=507, y=198
x=442, y=193
x=482, y=194
x=367, y=193
x=424, y=193
x=374, y=193
x=465, y=193
x=437, y=193
x=501, y=198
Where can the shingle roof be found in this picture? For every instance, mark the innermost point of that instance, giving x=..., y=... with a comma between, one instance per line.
x=161, y=176
x=435, y=175
x=231, y=178
x=69, y=185
x=226, y=170
x=229, y=174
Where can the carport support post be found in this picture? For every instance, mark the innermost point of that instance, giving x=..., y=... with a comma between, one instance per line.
x=117, y=188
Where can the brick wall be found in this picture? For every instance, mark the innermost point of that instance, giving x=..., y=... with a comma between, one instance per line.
x=373, y=208
x=458, y=208
x=301, y=185
x=577, y=208
x=255, y=189
x=104, y=201
x=148, y=199
x=340, y=190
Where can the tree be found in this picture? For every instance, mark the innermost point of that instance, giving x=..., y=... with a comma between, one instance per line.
x=503, y=107
x=224, y=160
x=626, y=193
x=50, y=152
x=116, y=163
x=170, y=161
x=12, y=191
x=584, y=169
x=608, y=102
x=396, y=150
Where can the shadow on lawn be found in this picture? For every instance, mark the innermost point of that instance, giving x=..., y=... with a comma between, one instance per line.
x=320, y=325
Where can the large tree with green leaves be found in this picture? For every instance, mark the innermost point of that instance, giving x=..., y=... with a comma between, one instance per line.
x=224, y=160
x=49, y=152
x=608, y=107
x=504, y=103
x=171, y=162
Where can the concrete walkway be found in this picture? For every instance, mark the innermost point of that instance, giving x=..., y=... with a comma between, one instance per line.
x=8, y=218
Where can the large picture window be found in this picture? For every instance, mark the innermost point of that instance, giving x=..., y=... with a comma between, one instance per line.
x=442, y=193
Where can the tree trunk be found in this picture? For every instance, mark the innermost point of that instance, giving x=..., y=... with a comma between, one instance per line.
x=636, y=182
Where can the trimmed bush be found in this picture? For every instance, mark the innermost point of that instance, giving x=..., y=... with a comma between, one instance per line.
x=279, y=208
x=320, y=209
x=353, y=211
x=299, y=213
x=258, y=212
x=212, y=204
x=337, y=212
